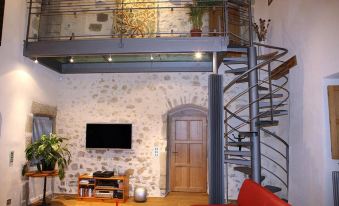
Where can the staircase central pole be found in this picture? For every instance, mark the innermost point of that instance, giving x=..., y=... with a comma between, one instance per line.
x=254, y=104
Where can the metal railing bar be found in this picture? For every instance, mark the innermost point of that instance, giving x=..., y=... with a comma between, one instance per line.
x=275, y=162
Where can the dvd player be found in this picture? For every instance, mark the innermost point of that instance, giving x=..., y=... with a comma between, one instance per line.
x=104, y=174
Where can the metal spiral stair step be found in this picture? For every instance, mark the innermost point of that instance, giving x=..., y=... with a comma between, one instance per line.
x=246, y=134
x=268, y=104
x=235, y=60
x=237, y=144
x=237, y=71
x=276, y=113
x=238, y=153
x=247, y=171
x=265, y=123
x=238, y=162
x=272, y=188
x=236, y=48
x=267, y=96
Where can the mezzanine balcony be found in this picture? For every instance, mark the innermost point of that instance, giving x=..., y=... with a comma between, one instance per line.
x=96, y=36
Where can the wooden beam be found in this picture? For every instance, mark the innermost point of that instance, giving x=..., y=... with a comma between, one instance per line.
x=284, y=68
x=333, y=105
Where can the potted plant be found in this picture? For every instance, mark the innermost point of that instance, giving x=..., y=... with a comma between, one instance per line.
x=196, y=13
x=49, y=150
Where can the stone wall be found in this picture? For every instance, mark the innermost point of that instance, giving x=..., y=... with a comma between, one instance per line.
x=140, y=99
x=168, y=22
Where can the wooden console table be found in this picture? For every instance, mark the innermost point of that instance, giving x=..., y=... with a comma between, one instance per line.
x=44, y=175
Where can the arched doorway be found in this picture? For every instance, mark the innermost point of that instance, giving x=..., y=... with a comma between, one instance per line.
x=187, y=149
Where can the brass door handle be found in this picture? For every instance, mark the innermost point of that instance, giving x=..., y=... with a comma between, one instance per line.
x=175, y=152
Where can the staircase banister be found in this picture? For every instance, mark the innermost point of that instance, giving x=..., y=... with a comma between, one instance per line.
x=254, y=68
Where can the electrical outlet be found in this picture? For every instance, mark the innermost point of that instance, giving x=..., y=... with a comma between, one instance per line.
x=11, y=158
x=155, y=152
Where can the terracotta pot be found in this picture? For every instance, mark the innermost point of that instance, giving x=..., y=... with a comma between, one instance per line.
x=196, y=33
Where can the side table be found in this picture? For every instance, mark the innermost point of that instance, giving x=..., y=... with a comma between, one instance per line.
x=44, y=175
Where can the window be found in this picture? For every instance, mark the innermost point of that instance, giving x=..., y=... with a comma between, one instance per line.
x=41, y=125
x=2, y=11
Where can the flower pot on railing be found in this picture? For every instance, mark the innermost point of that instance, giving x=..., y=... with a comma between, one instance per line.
x=196, y=33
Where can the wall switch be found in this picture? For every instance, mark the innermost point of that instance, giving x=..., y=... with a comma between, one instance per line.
x=11, y=158
x=155, y=152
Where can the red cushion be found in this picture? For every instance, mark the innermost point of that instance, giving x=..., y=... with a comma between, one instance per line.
x=252, y=194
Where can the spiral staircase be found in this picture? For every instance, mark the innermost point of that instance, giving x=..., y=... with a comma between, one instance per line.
x=252, y=145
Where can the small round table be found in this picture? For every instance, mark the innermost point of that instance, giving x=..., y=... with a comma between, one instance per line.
x=44, y=175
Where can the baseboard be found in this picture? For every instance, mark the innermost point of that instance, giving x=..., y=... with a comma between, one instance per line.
x=34, y=200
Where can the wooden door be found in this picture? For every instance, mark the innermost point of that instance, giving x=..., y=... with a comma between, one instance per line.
x=188, y=154
x=333, y=102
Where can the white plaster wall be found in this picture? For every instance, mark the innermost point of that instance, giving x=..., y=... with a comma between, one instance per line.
x=21, y=82
x=309, y=29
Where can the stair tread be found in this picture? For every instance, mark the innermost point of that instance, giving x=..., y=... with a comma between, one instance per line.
x=267, y=56
x=237, y=71
x=262, y=88
x=284, y=68
x=237, y=144
x=238, y=49
x=238, y=153
x=268, y=104
x=238, y=162
x=272, y=188
x=246, y=134
x=235, y=60
x=266, y=96
x=276, y=113
x=247, y=171
x=268, y=123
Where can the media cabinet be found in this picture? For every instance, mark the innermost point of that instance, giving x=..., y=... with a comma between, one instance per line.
x=112, y=189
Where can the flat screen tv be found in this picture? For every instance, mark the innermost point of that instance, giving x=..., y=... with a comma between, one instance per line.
x=116, y=136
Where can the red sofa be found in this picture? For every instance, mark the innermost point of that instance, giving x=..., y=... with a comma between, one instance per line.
x=253, y=194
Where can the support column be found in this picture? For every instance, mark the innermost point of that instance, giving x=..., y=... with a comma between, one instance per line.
x=254, y=111
x=216, y=156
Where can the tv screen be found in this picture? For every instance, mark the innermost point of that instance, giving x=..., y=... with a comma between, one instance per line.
x=118, y=136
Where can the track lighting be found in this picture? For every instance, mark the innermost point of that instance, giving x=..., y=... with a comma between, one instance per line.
x=110, y=58
x=36, y=60
x=152, y=58
x=198, y=55
x=71, y=60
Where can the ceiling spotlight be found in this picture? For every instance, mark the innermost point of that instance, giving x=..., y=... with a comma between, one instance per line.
x=110, y=58
x=71, y=60
x=152, y=58
x=36, y=60
x=198, y=55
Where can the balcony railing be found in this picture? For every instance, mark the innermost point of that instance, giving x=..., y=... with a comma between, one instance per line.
x=103, y=19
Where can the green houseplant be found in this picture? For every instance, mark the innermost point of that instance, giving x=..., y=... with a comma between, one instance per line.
x=50, y=150
x=196, y=13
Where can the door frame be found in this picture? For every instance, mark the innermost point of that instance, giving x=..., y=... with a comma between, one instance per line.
x=181, y=111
